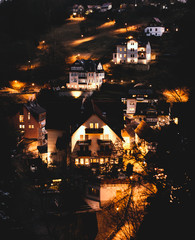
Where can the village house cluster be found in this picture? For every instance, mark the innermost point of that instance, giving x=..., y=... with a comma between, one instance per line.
x=103, y=132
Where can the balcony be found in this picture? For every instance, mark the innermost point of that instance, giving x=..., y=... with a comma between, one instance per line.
x=84, y=142
x=104, y=142
x=83, y=153
x=94, y=130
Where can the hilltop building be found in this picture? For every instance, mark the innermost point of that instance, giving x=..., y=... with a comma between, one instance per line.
x=132, y=52
x=155, y=28
x=86, y=75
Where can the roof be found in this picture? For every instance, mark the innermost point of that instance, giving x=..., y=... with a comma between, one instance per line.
x=144, y=131
x=155, y=22
x=109, y=116
x=86, y=66
x=35, y=109
x=142, y=41
x=151, y=109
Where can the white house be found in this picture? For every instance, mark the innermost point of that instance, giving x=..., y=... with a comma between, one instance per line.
x=155, y=28
x=132, y=52
x=94, y=142
x=86, y=75
x=105, y=7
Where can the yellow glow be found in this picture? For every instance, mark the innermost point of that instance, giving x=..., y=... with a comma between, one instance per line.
x=126, y=29
x=17, y=85
x=76, y=18
x=76, y=94
x=176, y=95
x=74, y=57
x=42, y=45
x=29, y=66
x=57, y=180
x=80, y=41
x=107, y=24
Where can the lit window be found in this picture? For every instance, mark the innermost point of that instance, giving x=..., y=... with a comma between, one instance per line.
x=76, y=161
x=21, y=126
x=91, y=125
x=101, y=161
x=21, y=118
x=28, y=115
x=82, y=161
x=86, y=161
x=96, y=125
x=31, y=126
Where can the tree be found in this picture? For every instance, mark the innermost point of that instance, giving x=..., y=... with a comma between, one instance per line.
x=129, y=169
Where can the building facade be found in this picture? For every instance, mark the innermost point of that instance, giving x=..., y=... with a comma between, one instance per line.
x=86, y=75
x=132, y=52
x=31, y=121
x=105, y=190
x=94, y=142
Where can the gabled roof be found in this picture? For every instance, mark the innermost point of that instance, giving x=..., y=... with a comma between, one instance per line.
x=92, y=109
x=87, y=65
x=34, y=108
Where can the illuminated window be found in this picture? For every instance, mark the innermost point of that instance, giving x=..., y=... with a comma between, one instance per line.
x=125, y=55
x=76, y=161
x=96, y=125
x=28, y=115
x=121, y=49
x=106, y=159
x=31, y=126
x=86, y=161
x=82, y=161
x=21, y=126
x=101, y=161
x=21, y=118
x=91, y=125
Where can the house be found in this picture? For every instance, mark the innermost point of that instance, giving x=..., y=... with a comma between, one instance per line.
x=106, y=6
x=78, y=10
x=86, y=75
x=103, y=191
x=31, y=121
x=132, y=51
x=155, y=28
x=138, y=93
x=95, y=142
